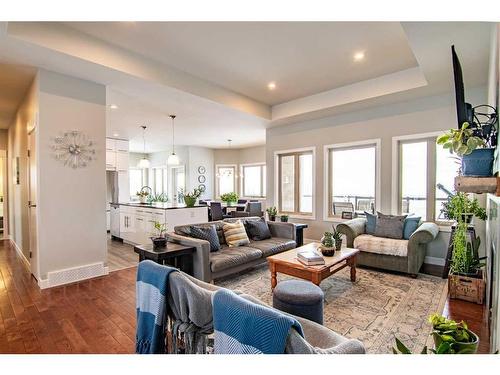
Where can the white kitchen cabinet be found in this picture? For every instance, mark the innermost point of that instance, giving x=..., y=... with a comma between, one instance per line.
x=110, y=160
x=122, y=161
x=121, y=145
x=123, y=186
x=110, y=144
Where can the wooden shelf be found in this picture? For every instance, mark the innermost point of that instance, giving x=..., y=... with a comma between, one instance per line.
x=477, y=185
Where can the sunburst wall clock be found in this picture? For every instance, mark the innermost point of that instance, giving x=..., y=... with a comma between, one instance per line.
x=74, y=149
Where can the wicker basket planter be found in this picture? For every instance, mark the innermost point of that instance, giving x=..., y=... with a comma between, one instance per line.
x=467, y=288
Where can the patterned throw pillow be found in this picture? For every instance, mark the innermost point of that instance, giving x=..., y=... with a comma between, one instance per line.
x=410, y=225
x=258, y=230
x=371, y=222
x=389, y=226
x=235, y=234
x=207, y=233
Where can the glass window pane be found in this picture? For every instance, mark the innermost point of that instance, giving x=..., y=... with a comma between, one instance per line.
x=135, y=180
x=348, y=184
x=264, y=181
x=288, y=183
x=158, y=180
x=306, y=182
x=251, y=181
x=226, y=180
x=165, y=181
x=414, y=178
x=446, y=170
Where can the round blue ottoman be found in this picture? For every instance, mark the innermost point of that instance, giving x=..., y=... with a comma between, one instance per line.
x=301, y=298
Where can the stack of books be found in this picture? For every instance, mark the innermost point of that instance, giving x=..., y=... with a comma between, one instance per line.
x=310, y=258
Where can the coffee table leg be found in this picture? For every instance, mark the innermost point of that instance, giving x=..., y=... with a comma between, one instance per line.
x=352, y=263
x=274, y=280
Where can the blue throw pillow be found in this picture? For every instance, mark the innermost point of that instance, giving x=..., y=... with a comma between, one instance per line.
x=410, y=225
x=208, y=234
x=371, y=222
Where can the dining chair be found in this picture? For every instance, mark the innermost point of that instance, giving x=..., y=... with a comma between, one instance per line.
x=216, y=212
x=254, y=209
x=242, y=201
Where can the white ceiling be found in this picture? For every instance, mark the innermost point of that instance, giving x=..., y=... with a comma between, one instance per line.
x=14, y=82
x=303, y=58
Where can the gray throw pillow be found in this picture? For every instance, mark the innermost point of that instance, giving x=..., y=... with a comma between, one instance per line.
x=389, y=226
x=258, y=230
x=207, y=233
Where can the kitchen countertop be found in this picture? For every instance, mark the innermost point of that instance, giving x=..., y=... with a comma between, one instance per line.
x=159, y=206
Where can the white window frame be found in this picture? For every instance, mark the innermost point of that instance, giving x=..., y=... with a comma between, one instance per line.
x=395, y=188
x=152, y=178
x=242, y=180
x=326, y=173
x=235, y=177
x=277, y=154
x=133, y=195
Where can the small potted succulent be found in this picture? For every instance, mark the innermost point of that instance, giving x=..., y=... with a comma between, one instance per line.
x=271, y=213
x=230, y=198
x=327, y=244
x=337, y=236
x=284, y=218
x=159, y=239
x=190, y=198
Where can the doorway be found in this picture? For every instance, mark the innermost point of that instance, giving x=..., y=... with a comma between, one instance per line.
x=32, y=203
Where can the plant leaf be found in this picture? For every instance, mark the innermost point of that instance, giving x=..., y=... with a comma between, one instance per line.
x=402, y=347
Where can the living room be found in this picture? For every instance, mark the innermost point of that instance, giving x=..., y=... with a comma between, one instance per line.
x=162, y=185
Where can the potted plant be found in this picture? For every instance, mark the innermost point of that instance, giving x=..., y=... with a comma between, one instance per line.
x=327, y=244
x=271, y=213
x=143, y=196
x=158, y=198
x=460, y=207
x=449, y=337
x=230, y=198
x=337, y=236
x=159, y=239
x=475, y=146
x=284, y=218
x=190, y=198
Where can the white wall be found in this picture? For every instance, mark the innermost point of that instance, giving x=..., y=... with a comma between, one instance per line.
x=71, y=202
x=414, y=117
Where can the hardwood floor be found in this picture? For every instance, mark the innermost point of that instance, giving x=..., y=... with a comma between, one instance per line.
x=120, y=255
x=98, y=315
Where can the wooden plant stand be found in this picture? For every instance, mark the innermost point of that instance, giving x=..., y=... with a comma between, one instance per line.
x=467, y=288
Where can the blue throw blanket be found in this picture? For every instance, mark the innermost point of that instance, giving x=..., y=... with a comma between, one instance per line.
x=151, y=303
x=243, y=327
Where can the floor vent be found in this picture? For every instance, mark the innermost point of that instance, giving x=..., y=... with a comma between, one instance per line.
x=71, y=275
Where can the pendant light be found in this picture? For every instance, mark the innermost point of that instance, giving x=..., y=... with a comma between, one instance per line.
x=173, y=159
x=144, y=162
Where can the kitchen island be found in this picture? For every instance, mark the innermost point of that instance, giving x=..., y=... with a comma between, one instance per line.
x=133, y=222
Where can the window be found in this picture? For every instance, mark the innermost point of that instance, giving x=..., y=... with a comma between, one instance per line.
x=352, y=177
x=253, y=180
x=426, y=177
x=136, y=180
x=226, y=179
x=159, y=180
x=295, y=182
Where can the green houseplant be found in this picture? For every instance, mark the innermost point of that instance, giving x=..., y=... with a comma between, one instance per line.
x=159, y=239
x=230, y=198
x=460, y=207
x=475, y=147
x=271, y=213
x=337, y=236
x=328, y=244
x=284, y=218
x=190, y=198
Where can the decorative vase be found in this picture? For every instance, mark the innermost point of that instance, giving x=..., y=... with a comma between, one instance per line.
x=338, y=244
x=327, y=251
x=159, y=242
x=272, y=217
x=143, y=199
x=189, y=201
x=463, y=347
x=479, y=162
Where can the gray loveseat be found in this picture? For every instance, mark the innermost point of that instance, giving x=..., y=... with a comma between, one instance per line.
x=394, y=255
x=208, y=266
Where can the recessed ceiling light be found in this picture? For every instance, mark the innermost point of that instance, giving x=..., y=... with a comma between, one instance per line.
x=113, y=106
x=358, y=56
x=271, y=85
x=115, y=134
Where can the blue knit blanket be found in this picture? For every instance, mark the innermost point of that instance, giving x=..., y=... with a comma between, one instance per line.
x=151, y=303
x=243, y=327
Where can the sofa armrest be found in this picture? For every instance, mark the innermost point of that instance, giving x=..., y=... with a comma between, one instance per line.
x=201, y=257
x=425, y=233
x=352, y=229
x=282, y=230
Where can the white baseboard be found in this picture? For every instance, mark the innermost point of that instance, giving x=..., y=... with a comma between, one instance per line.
x=19, y=252
x=434, y=260
x=74, y=274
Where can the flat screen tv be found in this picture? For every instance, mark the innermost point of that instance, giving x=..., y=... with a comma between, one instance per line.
x=465, y=112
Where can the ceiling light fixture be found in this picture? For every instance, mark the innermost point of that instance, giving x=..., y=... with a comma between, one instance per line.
x=271, y=85
x=116, y=135
x=144, y=162
x=173, y=159
x=113, y=106
x=358, y=56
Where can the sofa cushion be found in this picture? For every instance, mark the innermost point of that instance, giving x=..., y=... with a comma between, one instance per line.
x=258, y=230
x=185, y=230
x=380, y=245
x=410, y=225
x=371, y=222
x=229, y=257
x=273, y=245
x=389, y=226
x=235, y=234
x=207, y=233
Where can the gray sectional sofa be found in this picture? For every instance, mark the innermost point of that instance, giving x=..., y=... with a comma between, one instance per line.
x=208, y=266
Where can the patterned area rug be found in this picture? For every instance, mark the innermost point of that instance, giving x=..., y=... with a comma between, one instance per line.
x=374, y=309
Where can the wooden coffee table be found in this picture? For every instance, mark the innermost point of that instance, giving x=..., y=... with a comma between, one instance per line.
x=288, y=264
